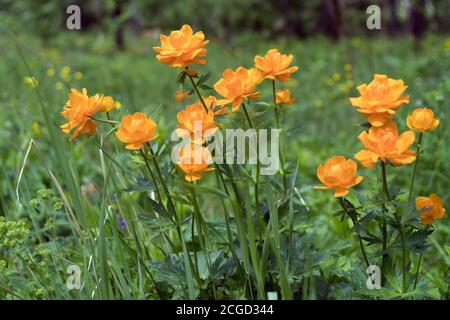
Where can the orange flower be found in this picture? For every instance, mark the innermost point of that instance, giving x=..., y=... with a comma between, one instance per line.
x=182, y=48
x=135, y=130
x=338, y=174
x=181, y=95
x=422, y=120
x=77, y=111
x=194, y=159
x=385, y=144
x=380, y=99
x=435, y=206
x=237, y=85
x=195, y=122
x=106, y=103
x=284, y=97
x=275, y=65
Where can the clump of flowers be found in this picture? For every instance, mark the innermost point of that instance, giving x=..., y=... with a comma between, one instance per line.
x=385, y=146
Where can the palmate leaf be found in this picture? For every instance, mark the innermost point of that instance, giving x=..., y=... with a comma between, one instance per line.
x=142, y=185
x=417, y=241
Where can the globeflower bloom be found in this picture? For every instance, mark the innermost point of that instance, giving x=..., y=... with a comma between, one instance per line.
x=195, y=122
x=194, y=160
x=385, y=144
x=78, y=112
x=275, y=66
x=105, y=103
x=434, y=204
x=422, y=120
x=338, y=174
x=284, y=97
x=135, y=130
x=380, y=99
x=180, y=96
x=182, y=48
x=237, y=85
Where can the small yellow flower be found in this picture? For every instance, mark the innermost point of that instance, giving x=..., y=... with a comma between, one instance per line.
x=117, y=104
x=347, y=67
x=51, y=72
x=336, y=76
x=434, y=204
x=59, y=85
x=422, y=120
x=30, y=81
x=77, y=75
x=36, y=129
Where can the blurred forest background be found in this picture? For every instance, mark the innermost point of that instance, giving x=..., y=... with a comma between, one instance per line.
x=222, y=19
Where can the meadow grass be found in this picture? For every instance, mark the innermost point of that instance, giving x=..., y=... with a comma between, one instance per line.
x=92, y=185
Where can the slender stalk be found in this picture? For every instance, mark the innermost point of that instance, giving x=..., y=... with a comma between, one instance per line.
x=342, y=203
x=281, y=154
x=188, y=262
x=201, y=235
x=105, y=121
x=384, y=226
x=258, y=168
x=194, y=86
x=416, y=277
x=419, y=145
x=402, y=234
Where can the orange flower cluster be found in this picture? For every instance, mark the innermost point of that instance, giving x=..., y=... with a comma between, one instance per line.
x=80, y=108
x=181, y=49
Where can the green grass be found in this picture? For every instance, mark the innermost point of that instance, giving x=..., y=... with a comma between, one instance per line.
x=141, y=261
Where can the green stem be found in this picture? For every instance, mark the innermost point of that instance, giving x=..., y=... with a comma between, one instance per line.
x=258, y=169
x=197, y=91
x=342, y=203
x=384, y=226
x=105, y=121
x=416, y=277
x=419, y=145
x=188, y=262
x=281, y=155
x=201, y=235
